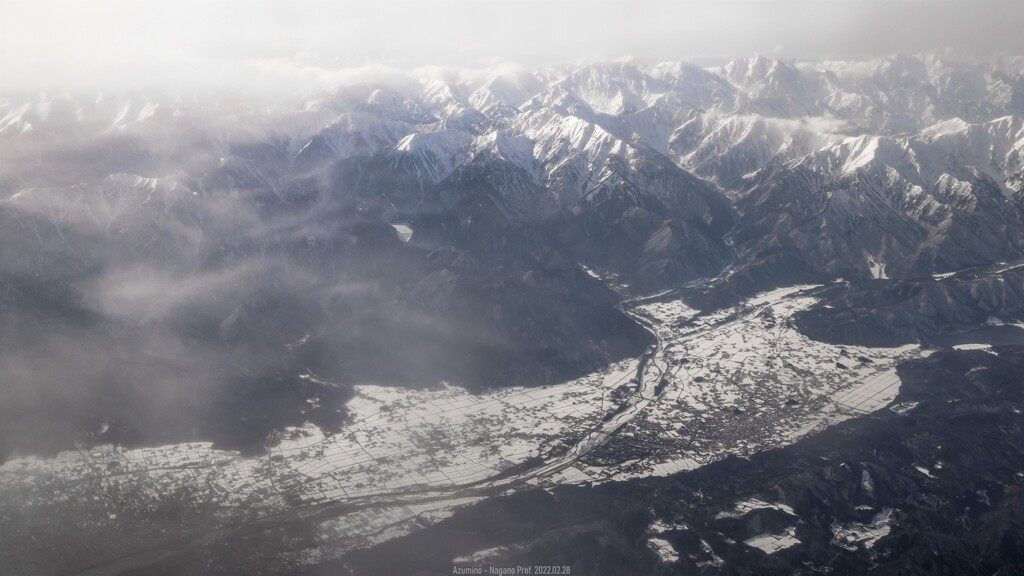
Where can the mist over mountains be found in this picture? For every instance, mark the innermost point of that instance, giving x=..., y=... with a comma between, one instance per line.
x=179, y=255
x=756, y=317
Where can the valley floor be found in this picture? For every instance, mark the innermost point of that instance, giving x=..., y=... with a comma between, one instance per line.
x=738, y=381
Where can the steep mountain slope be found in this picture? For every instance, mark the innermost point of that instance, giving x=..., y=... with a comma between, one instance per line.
x=181, y=298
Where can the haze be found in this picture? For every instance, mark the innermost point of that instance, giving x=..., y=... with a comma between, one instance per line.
x=260, y=44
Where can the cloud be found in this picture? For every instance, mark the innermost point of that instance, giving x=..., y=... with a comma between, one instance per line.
x=259, y=45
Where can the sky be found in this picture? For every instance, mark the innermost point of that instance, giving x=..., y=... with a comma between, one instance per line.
x=250, y=44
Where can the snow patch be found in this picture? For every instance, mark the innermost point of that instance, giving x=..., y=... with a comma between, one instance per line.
x=876, y=267
x=404, y=232
x=664, y=549
x=851, y=536
x=772, y=543
x=743, y=508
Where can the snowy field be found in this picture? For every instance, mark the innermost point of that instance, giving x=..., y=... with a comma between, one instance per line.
x=737, y=381
x=410, y=451
x=741, y=381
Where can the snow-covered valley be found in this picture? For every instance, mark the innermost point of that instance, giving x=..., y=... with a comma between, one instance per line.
x=739, y=381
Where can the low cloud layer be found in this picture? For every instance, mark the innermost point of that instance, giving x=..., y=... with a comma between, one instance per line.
x=246, y=45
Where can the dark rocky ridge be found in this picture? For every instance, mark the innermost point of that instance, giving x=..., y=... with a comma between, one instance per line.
x=892, y=312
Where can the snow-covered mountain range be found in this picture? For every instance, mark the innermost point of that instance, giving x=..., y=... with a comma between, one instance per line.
x=300, y=333
x=262, y=237
x=894, y=167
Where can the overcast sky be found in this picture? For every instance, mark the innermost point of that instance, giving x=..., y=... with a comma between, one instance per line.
x=245, y=44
